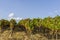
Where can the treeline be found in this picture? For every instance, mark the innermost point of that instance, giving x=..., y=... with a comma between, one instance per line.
x=47, y=25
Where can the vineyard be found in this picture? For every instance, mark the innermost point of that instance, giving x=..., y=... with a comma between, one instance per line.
x=45, y=29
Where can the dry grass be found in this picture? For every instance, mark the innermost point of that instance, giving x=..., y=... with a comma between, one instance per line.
x=6, y=35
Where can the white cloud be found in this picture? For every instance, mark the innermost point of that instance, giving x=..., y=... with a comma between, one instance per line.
x=17, y=18
x=54, y=13
x=57, y=12
x=11, y=15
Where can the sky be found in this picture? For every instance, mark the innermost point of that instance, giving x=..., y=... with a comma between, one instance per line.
x=29, y=8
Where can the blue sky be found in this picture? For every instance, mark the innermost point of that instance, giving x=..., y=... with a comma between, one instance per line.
x=29, y=8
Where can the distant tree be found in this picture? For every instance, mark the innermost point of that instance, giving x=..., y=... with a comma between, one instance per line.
x=4, y=24
x=12, y=25
x=25, y=23
x=0, y=26
x=56, y=24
